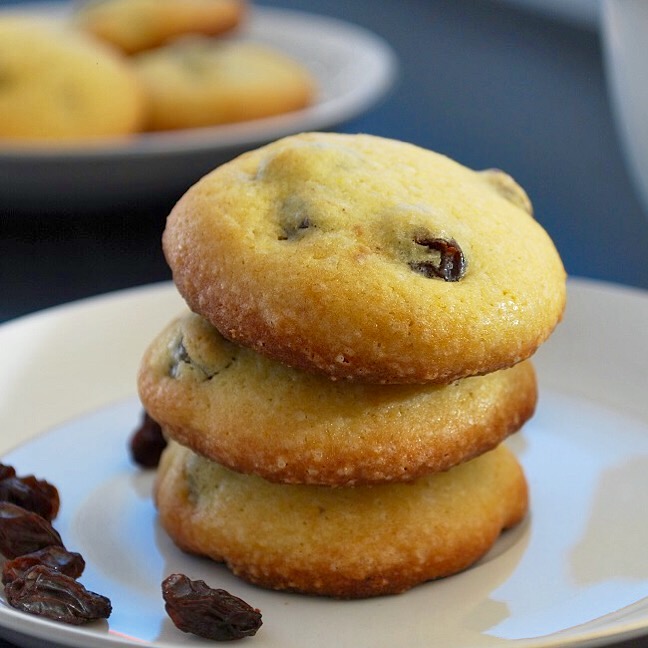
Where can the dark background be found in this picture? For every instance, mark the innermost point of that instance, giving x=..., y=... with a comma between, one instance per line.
x=483, y=82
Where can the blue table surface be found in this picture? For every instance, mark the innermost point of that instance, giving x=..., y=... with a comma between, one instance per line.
x=485, y=83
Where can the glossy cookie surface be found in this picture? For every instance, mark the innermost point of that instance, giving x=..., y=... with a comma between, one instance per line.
x=58, y=85
x=344, y=542
x=367, y=259
x=258, y=416
x=136, y=25
x=204, y=82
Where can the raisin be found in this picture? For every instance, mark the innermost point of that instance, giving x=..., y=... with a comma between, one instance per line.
x=51, y=594
x=57, y=558
x=451, y=265
x=196, y=608
x=23, y=531
x=147, y=443
x=180, y=356
x=6, y=471
x=33, y=494
x=291, y=229
x=181, y=359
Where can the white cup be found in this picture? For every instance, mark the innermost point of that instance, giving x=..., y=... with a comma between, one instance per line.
x=625, y=45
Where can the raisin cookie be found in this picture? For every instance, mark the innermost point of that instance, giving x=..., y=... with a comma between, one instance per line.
x=203, y=82
x=57, y=84
x=258, y=416
x=344, y=542
x=367, y=259
x=137, y=25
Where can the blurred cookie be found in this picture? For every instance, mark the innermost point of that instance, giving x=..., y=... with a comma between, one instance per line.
x=258, y=416
x=367, y=259
x=136, y=25
x=57, y=84
x=203, y=82
x=342, y=542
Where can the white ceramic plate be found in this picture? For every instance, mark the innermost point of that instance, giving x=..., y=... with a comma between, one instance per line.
x=575, y=573
x=353, y=68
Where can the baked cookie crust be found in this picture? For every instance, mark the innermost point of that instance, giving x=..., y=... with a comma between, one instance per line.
x=258, y=416
x=340, y=542
x=58, y=85
x=367, y=259
x=201, y=82
x=136, y=25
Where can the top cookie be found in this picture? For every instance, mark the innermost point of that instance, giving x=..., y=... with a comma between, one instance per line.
x=367, y=259
x=137, y=25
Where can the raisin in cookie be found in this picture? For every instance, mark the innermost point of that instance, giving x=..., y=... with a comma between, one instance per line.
x=137, y=25
x=203, y=82
x=344, y=542
x=258, y=416
x=57, y=84
x=367, y=258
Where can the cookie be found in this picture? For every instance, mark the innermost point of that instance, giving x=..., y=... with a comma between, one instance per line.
x=137, y=25
x=342, y=542
x=258, y=416
x=56, y=84
x=204, y=82
x=367, y=259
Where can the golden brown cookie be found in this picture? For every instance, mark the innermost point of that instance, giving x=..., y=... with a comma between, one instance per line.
x=58, y=85
x=342, y=542
x=136, y=25
x=258, y=416
x=204, y=82
x=369, y=259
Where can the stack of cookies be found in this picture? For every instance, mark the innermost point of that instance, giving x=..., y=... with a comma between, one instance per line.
x=362, y=316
